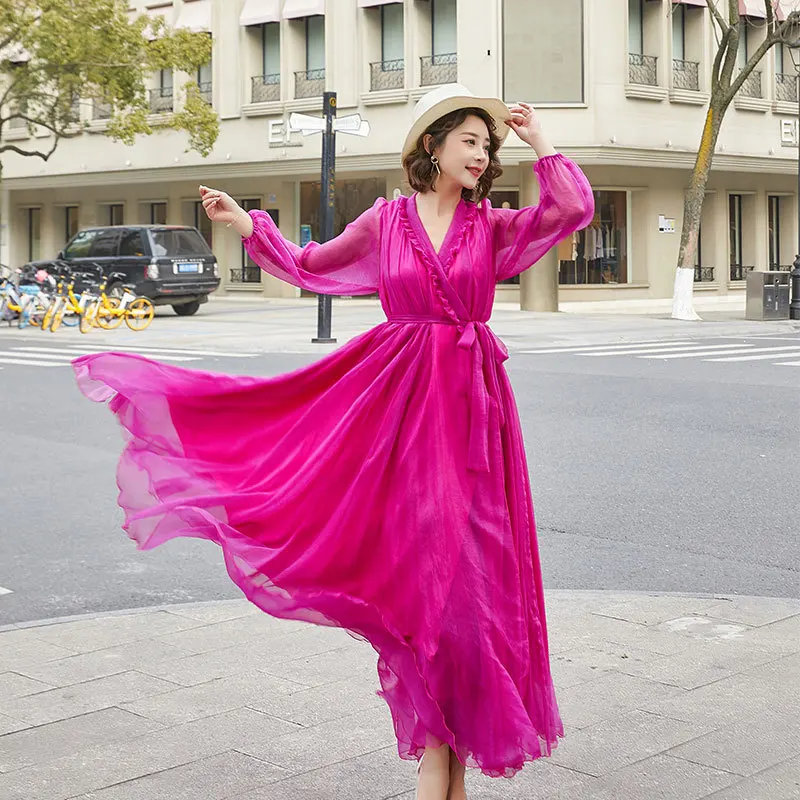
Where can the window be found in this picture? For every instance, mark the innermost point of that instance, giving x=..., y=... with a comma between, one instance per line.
x=178, y=242
x=735, y=236
x=158, y=213
x=598, y=253
x=679, y=31
x=70, y=222
x=550, y=45
x=116, y=214
x=315, y=43
x=774, y=231
x=250, y=272
x=271, y=49
x=104, y=244
x=392, y=34
x=161, y=96
x=205, y=82
x=636, y=26
x=203, y=223
x=132, y=243
x=34, y=234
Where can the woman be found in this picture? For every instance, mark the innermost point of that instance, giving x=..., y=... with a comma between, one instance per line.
x=383, y=489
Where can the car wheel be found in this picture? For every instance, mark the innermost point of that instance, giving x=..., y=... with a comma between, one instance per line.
x=187, y=309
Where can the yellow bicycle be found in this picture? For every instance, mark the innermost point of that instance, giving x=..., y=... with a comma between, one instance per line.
x=109, y=312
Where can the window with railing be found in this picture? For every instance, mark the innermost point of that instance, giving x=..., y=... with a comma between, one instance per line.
x=752, y=85
x=249, y=271
x=643, y=69
x=786, y=87
x=685, y=75
x=266, y=87
x=161, y=97
x=310, y=82
x=701, y=274
x=389, y=72
x=205, y=83
x=738, y=269
x=442, y=65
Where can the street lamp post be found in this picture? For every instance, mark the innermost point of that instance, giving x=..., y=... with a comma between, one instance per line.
x=327, y=125
x=794, y=306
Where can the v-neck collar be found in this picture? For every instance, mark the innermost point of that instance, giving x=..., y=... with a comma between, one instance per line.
x=445, y=251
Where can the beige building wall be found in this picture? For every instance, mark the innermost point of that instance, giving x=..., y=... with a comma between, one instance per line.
x=629, y=120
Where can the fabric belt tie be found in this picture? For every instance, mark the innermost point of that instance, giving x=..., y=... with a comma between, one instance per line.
x=475, y=336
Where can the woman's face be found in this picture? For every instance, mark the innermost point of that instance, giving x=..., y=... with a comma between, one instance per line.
x=464, y=154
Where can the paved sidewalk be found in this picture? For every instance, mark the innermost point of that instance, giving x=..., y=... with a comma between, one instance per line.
x=665, y=697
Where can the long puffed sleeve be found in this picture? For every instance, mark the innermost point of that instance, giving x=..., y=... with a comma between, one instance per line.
x=566, y=204
x=347, y=264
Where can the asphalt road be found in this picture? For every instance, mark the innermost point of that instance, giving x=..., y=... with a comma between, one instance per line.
x=648, y=473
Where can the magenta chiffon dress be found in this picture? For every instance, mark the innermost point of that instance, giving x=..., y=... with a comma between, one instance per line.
x=383, y=489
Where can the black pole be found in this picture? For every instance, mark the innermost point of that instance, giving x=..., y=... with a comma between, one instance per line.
x=794, y=306
x=327, y=209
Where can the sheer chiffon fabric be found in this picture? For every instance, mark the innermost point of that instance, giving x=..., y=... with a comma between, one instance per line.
x=383, y=489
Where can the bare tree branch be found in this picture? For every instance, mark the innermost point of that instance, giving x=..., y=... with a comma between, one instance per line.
x=718, y=18
x=21, y=151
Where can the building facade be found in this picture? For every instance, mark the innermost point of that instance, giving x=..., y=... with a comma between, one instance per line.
x=621, y=86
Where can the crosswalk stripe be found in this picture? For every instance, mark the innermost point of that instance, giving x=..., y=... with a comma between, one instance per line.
x=3, y=590
x=731, y=355
x=763, y=356
x=30, y=363
x=615, y=347
x=673, y=352
x=788, y=364
x=69, y=353
x=145, y=350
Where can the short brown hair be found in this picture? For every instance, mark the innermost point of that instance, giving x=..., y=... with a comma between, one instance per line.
x=420, y=171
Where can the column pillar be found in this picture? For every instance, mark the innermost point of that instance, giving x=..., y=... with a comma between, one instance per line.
x=538, y=286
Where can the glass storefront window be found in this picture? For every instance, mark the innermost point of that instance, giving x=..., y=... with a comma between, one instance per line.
x=508, y=198
x=598, y=253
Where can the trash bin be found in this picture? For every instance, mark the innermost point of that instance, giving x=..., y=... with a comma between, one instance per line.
x=767, y=295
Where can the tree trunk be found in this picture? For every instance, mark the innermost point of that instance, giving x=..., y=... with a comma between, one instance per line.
x=682, y=307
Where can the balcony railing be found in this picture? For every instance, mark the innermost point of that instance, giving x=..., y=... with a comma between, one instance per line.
x=442, y=68
x=752, y=85
x=206, y=91
x=786, y=88
x=739, y=272
x=781, y=267
x=642, y=69
x=387, y=75
x=704, y=274
x=265, y=88
x=246, y=275
x=101, y=109
x=686, y=75
x=309, y=83
x=161, y=100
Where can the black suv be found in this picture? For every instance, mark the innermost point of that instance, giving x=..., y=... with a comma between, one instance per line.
x=170, y=264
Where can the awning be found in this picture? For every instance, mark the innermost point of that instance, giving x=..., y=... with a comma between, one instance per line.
x=371, y=3
x=259, y=12
x=295, y=9
x=195, y=16
x=752, y=8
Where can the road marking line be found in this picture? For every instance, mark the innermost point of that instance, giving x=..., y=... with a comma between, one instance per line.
x=627, y=346
x=3, y=590
x=773, y=351
x=26, y=363
x=788, y=364
x=673, y=352
x=142, y=350
x=763, y=356
x=64, y=352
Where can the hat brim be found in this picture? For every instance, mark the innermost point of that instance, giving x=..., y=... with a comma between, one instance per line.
x=497, y=109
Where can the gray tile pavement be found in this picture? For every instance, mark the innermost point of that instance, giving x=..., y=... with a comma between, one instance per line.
x=663, y=696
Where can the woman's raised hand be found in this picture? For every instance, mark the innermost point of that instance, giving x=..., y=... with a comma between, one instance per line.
x=526, y=125
x=221, y=207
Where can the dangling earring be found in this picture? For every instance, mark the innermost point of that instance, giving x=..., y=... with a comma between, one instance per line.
x=435, y=162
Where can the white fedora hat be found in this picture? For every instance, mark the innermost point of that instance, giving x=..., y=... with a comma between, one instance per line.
x=451, y=97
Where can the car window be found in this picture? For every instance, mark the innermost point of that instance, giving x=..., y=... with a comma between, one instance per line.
x=105, y=244
x=178, y=242
x=80, y=244
x=132, y=243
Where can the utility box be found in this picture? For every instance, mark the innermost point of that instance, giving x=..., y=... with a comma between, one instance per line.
x=767, y=295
